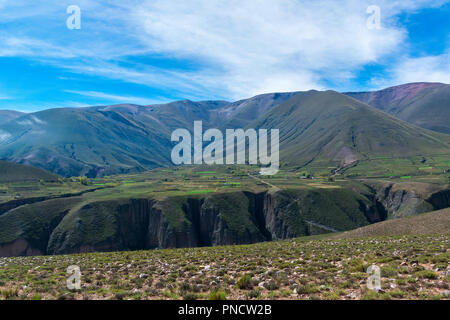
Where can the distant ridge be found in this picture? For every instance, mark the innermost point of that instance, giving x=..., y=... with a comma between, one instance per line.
x=324, y=127
x=426, y=105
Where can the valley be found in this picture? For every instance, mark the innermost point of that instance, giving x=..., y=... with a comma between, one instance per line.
x=196, y=206
x=359, y=183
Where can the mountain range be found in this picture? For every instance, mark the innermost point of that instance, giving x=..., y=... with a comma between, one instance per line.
x=315, y=126
x=423, y=104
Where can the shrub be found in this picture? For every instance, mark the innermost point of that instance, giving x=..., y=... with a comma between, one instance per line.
x=271, y=285
x=217, y=295
x=427, y=274
x=190, y=296
x=245, y=282
x=254, y=294
x=9, y=293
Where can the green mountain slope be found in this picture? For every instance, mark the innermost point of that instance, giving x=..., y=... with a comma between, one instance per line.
x=424, y=104
x=88, y=141
x=331, y=127
x=241, y=113
x=124, y=138
x=104, y=140
x=10, y=172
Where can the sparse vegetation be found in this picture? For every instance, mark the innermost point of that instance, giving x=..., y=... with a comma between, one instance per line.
x=303, y=268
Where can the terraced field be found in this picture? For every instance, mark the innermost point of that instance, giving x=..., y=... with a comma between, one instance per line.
x=412, y=267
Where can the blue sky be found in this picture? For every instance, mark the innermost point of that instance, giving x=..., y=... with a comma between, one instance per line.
x=156, y=51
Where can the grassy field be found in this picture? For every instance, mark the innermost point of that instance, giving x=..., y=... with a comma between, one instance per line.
x=190, y=180
x=412, y=267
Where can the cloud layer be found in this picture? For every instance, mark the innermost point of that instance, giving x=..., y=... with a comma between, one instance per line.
x=228, y=49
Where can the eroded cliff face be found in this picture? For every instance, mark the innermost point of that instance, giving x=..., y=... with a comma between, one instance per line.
x=133, y=224
x=18, y=247
x=225, y=219
x=400, y=200
x=440, y=200
x=212, y=220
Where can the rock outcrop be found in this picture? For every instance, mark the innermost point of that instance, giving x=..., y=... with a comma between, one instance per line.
x=61, y=226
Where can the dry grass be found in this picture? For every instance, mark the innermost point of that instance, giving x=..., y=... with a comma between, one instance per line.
x=427, y=223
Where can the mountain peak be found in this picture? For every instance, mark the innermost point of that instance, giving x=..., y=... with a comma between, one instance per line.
x=425, y=104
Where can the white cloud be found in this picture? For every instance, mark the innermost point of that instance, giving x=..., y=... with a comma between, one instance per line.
x=25, y=122
x=4, y=136
x=112, y=97
x=260, y=46
x=37, y=120
x=424, y=69
x=25, y=46
x=239, y=47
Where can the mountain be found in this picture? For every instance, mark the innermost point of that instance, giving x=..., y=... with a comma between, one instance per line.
x=86, y=141
x=7, y=115
x=326, y=127
x=241, y=113
x=426, y=105
x=331, y=127
x=12, y=172
x=103, y=140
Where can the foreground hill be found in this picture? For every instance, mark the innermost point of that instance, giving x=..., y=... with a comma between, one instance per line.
x=427, y=223
x=412, y=267
x=426, y=105
x=11, y=172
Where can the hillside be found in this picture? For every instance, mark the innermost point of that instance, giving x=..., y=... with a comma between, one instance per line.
x=11, y=172
x=98, y=141
x=330, y=127
x=7, y=115
x=324, y=128
x=434, y=222
x=116, y=222
x=86, y=141
x=426, y=105
x=239, y=114
x=412, y=267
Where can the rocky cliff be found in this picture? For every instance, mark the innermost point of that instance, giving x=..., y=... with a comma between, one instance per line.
x=405, y=199
x=68, y=225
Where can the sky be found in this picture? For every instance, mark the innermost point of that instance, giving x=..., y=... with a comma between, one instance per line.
x=156, y=51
